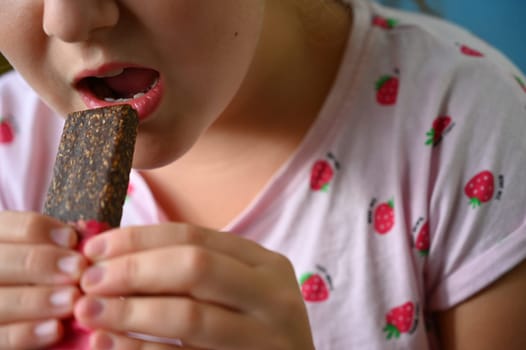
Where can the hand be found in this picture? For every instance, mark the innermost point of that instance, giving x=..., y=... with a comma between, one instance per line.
x=38, y=277
x=212, y=290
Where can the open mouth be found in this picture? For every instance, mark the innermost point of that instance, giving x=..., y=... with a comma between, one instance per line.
x=123, y=85
x=142, y=88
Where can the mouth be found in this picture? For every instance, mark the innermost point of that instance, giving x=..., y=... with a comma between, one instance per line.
x=142, y=88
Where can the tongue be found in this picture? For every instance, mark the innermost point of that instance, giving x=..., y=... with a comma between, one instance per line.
x=132, y=81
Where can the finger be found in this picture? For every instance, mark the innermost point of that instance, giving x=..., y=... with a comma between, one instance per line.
x=30, y=335
x=132, y=239
x=197, y=324
x=43, y=264
x=203, y=274
x=23, y=227
x=18, y=304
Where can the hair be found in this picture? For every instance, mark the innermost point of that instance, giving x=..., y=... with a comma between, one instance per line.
x=425, y=8
x=4, y=65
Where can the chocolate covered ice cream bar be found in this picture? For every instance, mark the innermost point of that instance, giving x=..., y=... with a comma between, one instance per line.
x=92, y=167
x=90, y=182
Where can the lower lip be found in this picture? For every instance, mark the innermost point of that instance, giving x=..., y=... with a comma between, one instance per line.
x=144, y=105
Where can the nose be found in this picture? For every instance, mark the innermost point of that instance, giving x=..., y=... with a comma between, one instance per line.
x=77, y=20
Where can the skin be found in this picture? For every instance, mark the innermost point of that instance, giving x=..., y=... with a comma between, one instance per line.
x=230, y=86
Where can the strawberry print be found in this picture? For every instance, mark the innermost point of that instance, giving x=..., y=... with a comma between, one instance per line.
x=314, y=288
x=480, y=188
x=440, y=125
x=322, y=173
x=384, y=217
x=129, y=191
x=422, y=242
x=387, y=90
x=469, y=51
x=522, y=84
x=384, y=22
x=402, y=319
x=7, y=134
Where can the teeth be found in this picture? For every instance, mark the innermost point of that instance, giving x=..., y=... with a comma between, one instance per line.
x=137, y=95
x=154, y=83
x=110, y=99
x=118, y=100
x=111, y=74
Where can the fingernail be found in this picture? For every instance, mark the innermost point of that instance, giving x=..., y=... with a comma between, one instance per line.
x=92, y=276
x=95, y=248
x=104, y=342
x=46, y=329
x=92, y=308
x=63, y=236
x=62, y=298
x=69, y=265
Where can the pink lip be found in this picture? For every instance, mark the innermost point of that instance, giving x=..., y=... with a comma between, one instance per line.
x=144, y=105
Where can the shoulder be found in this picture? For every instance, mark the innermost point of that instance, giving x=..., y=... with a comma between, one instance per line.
x=29, y=134
x=413, y=66
x=433, y=45
x=425, y=68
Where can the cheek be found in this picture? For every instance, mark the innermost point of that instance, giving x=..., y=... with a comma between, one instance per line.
x=26, y=46
x=22, y=39
x=210, y=50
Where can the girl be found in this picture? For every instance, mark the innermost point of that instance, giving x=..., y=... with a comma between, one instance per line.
x=308, y=174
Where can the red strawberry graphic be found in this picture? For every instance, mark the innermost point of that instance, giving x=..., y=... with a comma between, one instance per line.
x=384, y=217
x=422, y=242
x=7, y=134
x=129, y=191
x=322, y=173
x=480, y=188
x=521, y=83
x=314, y=288
x=401, y=319
x=440, y=124
x=468, y=51
x=385, y=23
x=387, y=90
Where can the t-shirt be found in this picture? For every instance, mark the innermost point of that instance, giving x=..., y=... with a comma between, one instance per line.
x=405, y=198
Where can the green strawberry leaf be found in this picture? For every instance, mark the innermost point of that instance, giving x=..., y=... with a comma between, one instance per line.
x=391, y=22
x=430, y=137
x=391, y=203
x=391, y=331
x=325, y=188
x=475, y=203
x=423, y=253
x=382, y=81
x=305, y=277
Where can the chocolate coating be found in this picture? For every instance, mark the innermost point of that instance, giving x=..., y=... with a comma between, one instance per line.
x=92, y=167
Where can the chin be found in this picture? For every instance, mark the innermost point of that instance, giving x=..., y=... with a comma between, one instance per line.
x=150, y=156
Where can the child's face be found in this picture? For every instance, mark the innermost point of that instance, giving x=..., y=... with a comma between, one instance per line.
x=189, y=57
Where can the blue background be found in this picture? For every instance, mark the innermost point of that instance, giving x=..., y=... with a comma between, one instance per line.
x=501, y=23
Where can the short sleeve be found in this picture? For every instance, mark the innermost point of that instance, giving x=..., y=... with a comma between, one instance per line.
x=477, y=210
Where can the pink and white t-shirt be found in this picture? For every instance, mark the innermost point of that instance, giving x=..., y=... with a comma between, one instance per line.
x=406, y=197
